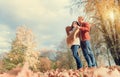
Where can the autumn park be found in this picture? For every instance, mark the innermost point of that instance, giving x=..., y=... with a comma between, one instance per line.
x=24, y=59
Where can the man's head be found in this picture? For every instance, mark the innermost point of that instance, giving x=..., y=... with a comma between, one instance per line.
x=80, y=19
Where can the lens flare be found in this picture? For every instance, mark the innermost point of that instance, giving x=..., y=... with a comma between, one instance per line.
x=111, y=15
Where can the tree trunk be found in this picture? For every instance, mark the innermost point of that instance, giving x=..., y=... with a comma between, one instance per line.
x=116, y=56
x=118, y=2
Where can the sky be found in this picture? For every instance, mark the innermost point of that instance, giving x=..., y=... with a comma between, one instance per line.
x=46, y=18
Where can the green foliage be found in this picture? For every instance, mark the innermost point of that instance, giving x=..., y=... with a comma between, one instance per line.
x=14, y=57
x=54, y=65
x=8, y=65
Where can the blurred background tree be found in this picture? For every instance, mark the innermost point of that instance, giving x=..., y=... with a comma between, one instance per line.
x=22, y=50
x=64, y=56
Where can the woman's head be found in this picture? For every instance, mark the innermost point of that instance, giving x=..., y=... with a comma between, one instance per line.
x=74, y=24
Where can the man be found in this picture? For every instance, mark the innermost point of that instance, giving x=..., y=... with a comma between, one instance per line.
x=85, y=42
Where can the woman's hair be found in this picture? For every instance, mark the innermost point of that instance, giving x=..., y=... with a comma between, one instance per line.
x=73, y=23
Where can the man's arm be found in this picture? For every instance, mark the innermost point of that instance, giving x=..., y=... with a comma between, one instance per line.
x=86, y=27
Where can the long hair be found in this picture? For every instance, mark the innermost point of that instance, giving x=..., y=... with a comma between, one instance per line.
x=73, y=23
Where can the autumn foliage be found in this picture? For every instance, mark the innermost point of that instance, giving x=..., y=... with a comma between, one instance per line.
x=84, y=72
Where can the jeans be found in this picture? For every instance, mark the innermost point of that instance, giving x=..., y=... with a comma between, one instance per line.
x=88, y=53
x=74, y=49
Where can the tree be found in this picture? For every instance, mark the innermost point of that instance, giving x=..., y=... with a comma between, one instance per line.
x=105, y=15
x=65, y=60
x=22, y=49
x=64, y=56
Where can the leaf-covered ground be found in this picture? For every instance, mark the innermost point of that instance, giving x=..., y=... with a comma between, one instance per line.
x=113, y=71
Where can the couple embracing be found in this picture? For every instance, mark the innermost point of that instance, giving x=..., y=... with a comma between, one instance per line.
x=78, y=36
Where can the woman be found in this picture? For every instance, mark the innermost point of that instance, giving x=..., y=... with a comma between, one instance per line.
x=73, y=41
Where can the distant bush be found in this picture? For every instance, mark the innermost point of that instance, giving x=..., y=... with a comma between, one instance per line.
x=45, y=64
